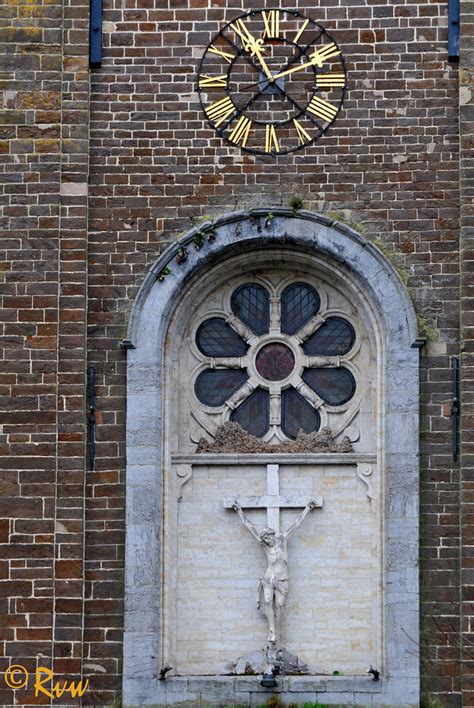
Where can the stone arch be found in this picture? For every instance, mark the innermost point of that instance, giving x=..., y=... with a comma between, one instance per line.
x=196, y=252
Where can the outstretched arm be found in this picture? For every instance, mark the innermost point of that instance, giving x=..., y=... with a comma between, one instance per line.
x=246, y=521
x=312, y=504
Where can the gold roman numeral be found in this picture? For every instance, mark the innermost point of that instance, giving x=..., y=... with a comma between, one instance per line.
x=302, y=134
x=225, y=55
x=271, y=141
x=240, y=134
x=219, y=111
x=321, y=55
x=322, y=109
x=206, y=80
x=271, y=19
x=330, y=80
x=242, y=30
x=301, y=30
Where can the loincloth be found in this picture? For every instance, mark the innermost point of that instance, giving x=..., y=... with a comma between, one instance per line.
x=276, y=584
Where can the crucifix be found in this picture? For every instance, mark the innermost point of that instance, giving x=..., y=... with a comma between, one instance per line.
x=273, y=585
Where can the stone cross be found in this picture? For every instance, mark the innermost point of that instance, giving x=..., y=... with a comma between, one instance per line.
x=273, y=501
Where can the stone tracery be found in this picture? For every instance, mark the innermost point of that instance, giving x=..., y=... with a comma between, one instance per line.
x=276, y=361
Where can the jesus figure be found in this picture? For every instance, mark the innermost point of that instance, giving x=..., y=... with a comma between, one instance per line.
x=273, y=585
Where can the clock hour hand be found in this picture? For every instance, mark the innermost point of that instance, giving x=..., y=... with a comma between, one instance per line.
x=293, y=69
x=317, y=58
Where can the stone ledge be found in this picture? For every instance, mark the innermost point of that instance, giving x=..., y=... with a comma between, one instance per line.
x=321, y=458
x=202, y=691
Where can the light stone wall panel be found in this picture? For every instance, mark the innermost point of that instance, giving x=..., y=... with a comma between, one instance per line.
x=333, y=618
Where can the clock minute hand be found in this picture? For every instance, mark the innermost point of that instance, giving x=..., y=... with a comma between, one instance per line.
x=252, y=45
x=256, y=50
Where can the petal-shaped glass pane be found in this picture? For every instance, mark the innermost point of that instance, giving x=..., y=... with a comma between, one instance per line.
x=334, y=386
x=251, y=304
x=297, y=414
x=216, y=338
x=335, y=336
x=254, y=413
x=299, y=303
x=214, y=386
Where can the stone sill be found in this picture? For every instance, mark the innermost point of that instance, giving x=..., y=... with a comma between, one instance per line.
x=310, y=458
x=296, y=684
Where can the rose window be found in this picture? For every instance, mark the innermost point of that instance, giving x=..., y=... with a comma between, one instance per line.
x=275, y=364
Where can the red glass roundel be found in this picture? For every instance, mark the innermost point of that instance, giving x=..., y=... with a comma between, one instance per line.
x=275, y=361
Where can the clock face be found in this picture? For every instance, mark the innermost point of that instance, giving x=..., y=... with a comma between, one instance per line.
x=272, y=81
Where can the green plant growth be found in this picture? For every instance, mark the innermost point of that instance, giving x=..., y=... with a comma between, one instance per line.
x=274, y=702
x=117, y=703
x=198, y=240
x=430, y=702
x=296, y=203
x=163, y=274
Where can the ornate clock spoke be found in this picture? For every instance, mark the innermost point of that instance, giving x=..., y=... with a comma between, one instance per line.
x=246, y=87
x=299, y=108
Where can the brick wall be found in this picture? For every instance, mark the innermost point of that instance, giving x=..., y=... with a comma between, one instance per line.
x=44, y=163
x=389, y=167
x=466, y=129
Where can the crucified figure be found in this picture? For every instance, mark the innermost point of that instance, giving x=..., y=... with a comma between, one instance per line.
x=273, y=585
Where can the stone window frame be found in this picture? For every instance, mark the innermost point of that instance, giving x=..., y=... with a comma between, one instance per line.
x=320, y=236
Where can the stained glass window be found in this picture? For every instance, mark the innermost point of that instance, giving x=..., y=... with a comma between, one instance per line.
x=253, y=414
x=251, y=304
x=297, y=414
x=299, y=303
x=273, y=359
x=216, y=338
x=215, y=386
x=335, y=337
x=334, y=386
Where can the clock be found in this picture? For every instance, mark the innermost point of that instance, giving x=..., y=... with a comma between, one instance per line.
x=272, y=81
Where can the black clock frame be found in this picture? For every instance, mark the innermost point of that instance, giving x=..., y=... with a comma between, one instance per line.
x=240, y=52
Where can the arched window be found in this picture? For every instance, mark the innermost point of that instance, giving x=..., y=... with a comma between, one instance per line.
x=288, y=327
